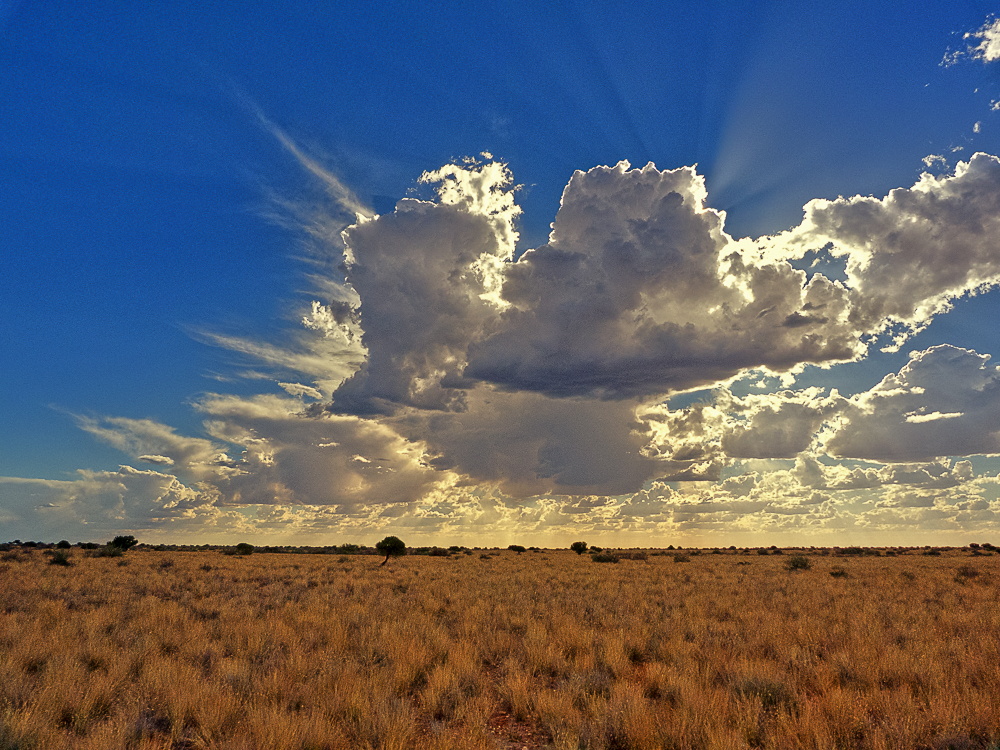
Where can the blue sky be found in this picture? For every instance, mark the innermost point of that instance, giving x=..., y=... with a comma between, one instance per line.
x=176, y=180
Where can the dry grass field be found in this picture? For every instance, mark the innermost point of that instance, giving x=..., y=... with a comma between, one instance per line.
x=499, y=650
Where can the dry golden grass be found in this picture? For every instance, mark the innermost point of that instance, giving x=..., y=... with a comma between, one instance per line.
x=201, y=650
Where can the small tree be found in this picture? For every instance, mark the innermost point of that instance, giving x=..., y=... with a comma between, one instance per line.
x=244, y=548
x=578, y=547
x=391, y=546
x=516, y=548
x=124, y=543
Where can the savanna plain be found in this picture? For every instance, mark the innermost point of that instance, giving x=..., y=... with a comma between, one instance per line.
x=496, y=649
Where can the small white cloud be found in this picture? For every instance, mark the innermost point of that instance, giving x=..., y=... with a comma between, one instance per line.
x=977, y=127
x=988, y=48
x=161, y=460
x=916, y=418
x=297, y=389
x=935, y=159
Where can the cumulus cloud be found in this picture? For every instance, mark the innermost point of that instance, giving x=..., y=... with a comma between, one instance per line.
x=910, y=254
x=290, y=456
x=532, y=444
x=640, y=292
x=501, y=365
x=95, y=505
x=449, y=384
x=779, y=425
x=944, y=402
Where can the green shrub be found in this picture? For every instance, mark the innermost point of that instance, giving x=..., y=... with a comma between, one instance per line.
x=107, y=551
x=63, y=544
x=60, y=557
x=635, y=555
x=798, y=562
x=966, y=573
x=244, y=548
x=516, y=548
x=604, y=557
x=578, y=547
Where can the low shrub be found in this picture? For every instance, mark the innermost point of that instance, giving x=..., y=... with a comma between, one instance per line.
x=634, y=555
x=798, y=562
x=604, y=557
x=966, y=573
x=60, y=557
x=107, y=551
x=851, y=551
x=680, y=557
x=838, y=573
